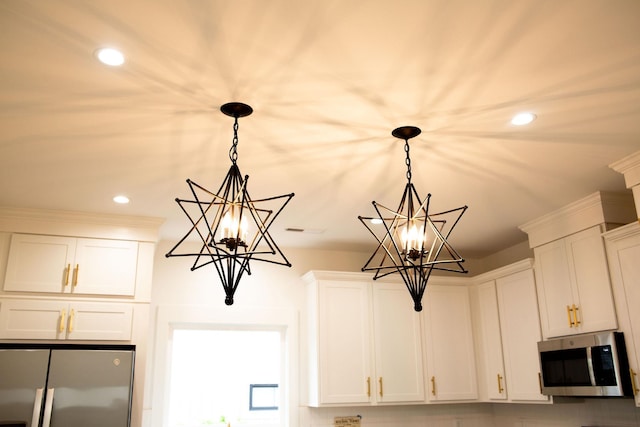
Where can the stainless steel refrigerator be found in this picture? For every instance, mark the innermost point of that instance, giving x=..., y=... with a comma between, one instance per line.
x=66, y=385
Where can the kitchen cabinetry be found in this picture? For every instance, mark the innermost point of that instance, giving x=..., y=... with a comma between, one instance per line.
x=64, y=320
x=364, y=341
x=623, y=249
x=451, y=369
x=520, y=331
x=574, y=289
x=491, y=361
x=69, y=265
x=507, y=331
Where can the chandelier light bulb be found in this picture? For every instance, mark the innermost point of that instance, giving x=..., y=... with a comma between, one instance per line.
x=234, y=229
x=412, y=238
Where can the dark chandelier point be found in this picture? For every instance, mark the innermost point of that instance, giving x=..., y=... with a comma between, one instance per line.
x=406, y=132
x=231, y=227
x=412, y=242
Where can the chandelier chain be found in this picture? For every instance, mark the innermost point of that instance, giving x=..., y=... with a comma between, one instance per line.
x=233, y=152
x=408, y=159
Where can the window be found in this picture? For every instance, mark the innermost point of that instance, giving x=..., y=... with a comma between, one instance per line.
x=219, y=375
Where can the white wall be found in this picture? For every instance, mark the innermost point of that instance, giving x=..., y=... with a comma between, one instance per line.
x=272, y=286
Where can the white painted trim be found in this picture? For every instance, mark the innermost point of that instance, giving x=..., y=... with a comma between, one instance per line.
x=598, y=208
x=507, y=270
x=630, y=168
x=79, y=224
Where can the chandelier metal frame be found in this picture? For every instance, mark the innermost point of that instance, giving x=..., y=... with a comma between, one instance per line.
x=411, y=241
x=207, y=212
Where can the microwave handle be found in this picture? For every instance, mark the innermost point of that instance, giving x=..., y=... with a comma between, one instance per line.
x=592, y=375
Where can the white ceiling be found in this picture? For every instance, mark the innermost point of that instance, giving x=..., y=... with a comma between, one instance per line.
x=328, y=80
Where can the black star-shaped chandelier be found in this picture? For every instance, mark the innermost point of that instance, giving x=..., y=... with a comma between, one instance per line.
x=411, y=241
x=233, y=228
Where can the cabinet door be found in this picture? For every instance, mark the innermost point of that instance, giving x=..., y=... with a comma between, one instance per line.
x=451, y=369
x=105, y=267
x=344, y=342
x=624, y=260
x=398, y=345
x=39, y=263
x=60, y=320
x=99, y=321
x=554, y=289
x=592, y=292
x=23, y=319
x=520, y=326
x=490, y=341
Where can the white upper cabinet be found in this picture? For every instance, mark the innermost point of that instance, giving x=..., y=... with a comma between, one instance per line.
x=449, y=350
x=572, y=277
x=70, y=265
x=574, y=288
x=507, y=328
x=623, y=248
x=489, y=340
x=398, y=347
x=364, y=341
x=520, y=331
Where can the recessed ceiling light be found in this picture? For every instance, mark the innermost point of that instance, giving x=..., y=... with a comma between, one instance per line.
x=122, y=200
x=110, y=56
x=376, y=221
x=522, y=119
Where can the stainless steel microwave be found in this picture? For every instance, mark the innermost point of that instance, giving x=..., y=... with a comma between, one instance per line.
x=585, y=365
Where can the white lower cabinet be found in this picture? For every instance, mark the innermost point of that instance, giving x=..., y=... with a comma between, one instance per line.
x=507, y=332
x=623, y=250
x=64, y=320
x=364, y=342
x=448, y=338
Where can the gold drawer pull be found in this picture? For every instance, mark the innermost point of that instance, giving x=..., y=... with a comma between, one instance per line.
x=500, y=388
x=380, y=382
x=72, y=316
x=433, y=386
x=633, y=382
x=569, y=317
x=368, y=386
x=63, y=316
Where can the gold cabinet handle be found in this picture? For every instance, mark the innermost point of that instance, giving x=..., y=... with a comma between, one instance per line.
x=569, y=317
x=633, y=382
x=540, y=381
x=368, y=386
x=75, y=275
x=575, y=315
x=63, y=316
x=500, y=388
x=380, y=382
x=72, y=316
x=433, y=386
x=66, y=274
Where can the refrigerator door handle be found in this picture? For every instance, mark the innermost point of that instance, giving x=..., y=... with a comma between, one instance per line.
x=48, y=407
x=37, y=407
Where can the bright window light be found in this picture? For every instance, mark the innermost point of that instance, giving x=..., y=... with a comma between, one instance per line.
x=110, y=56
x=215, y=373
x=522, y=119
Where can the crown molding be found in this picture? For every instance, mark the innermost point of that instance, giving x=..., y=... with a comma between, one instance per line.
x=80, y=224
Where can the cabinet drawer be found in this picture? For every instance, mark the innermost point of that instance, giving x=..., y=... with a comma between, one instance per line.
x=62, y=320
